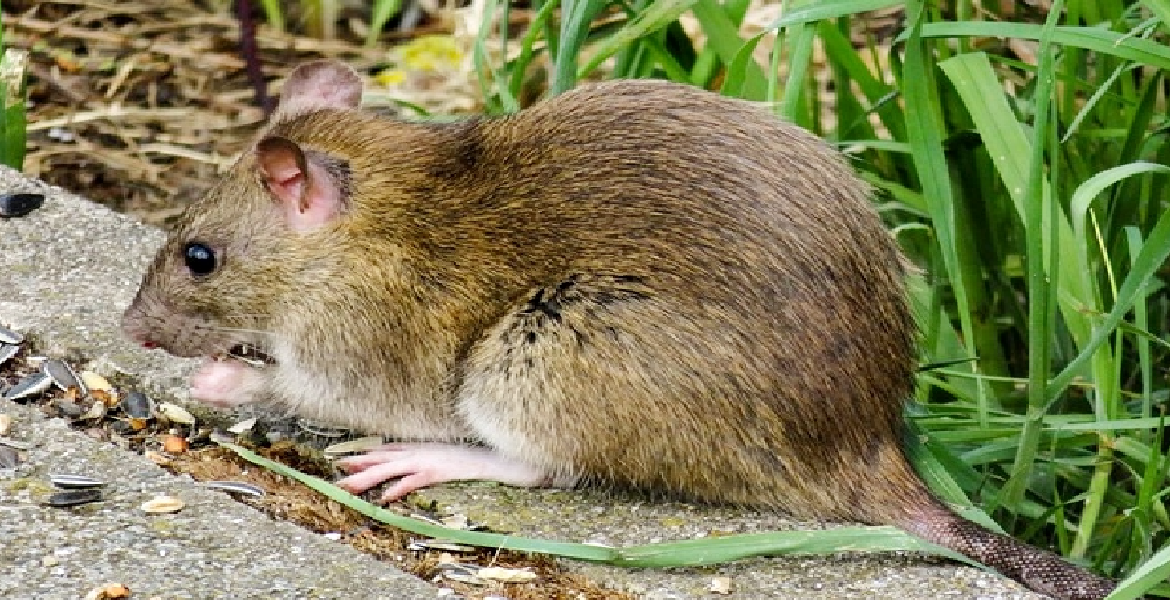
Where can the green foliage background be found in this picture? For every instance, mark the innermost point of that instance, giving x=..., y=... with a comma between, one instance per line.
x=1032, y=193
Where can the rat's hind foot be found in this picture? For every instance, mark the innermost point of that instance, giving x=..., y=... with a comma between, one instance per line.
x=422, y=465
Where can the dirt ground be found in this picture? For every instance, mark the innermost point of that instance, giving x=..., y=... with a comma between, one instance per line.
x=138, y=105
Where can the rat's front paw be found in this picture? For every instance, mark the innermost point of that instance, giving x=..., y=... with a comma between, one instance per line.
x=224, y=383
x=422, y=465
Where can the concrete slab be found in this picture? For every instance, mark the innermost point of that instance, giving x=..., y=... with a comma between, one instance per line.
x=66, y=273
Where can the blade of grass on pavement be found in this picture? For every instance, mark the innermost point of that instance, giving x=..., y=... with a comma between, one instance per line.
x=707, y=551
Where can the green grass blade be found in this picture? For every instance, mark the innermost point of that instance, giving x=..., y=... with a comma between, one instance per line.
x=723, y=38
x=1161, y=10
x=1038, y=260
x=924, y=129
x=1091, y=189
x=1121, y=45
x=1152, y=256
x=13, y=115
x=577, y=16
x=791, y=105
x=1010, y=150
x=818, y=10
x=737, y=70
x=1152, y=572
x=707, y=551
x=381, y=13
x=655, y=17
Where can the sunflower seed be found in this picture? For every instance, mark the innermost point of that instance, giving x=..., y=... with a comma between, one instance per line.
x=9, y=336
x=7, y=351
x=19, y=205
x=74, y=497
x=138, y=405
x=63, y=375
x=31, y=385
x=235, y=487
x=75, y=482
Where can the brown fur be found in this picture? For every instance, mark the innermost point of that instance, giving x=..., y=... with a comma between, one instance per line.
x=636, y=283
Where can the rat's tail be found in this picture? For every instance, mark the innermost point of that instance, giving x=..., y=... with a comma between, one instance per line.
x=1040, y=570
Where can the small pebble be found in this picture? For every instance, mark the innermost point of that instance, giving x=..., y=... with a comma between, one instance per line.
x=9, y=457
x=74, y=498
x=19, y=205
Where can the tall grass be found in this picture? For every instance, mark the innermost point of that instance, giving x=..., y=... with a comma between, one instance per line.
x=1029, y=179
x=13, y=119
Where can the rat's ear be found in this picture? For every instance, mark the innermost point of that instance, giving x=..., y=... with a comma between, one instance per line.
x=304, y=188
x=320, y=84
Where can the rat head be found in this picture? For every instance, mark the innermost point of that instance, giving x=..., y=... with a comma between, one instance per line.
x=240, y=252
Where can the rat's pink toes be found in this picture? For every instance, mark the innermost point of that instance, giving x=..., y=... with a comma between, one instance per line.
x=422, y=465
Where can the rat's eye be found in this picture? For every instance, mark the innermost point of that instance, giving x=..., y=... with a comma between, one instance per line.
x=199, y=257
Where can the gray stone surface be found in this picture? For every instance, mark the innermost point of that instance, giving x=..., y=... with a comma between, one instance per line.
x=66, y=273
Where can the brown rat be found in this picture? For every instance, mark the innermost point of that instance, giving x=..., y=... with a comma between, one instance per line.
x=634, y=283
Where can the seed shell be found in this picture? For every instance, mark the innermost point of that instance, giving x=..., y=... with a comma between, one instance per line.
x=163, y=505
x=321, y=429
x=175, y=413
x=138, y=405
x=96, y=411
x=7, y=351
x=74, y=497
x=362, y=444
x=31, y=385
x=236, y=487
x=20, y=204
x=75, y=482
x=19, y=445
x=9, y=336
x=63, y=375
x=5, y=424
x=94, y=382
